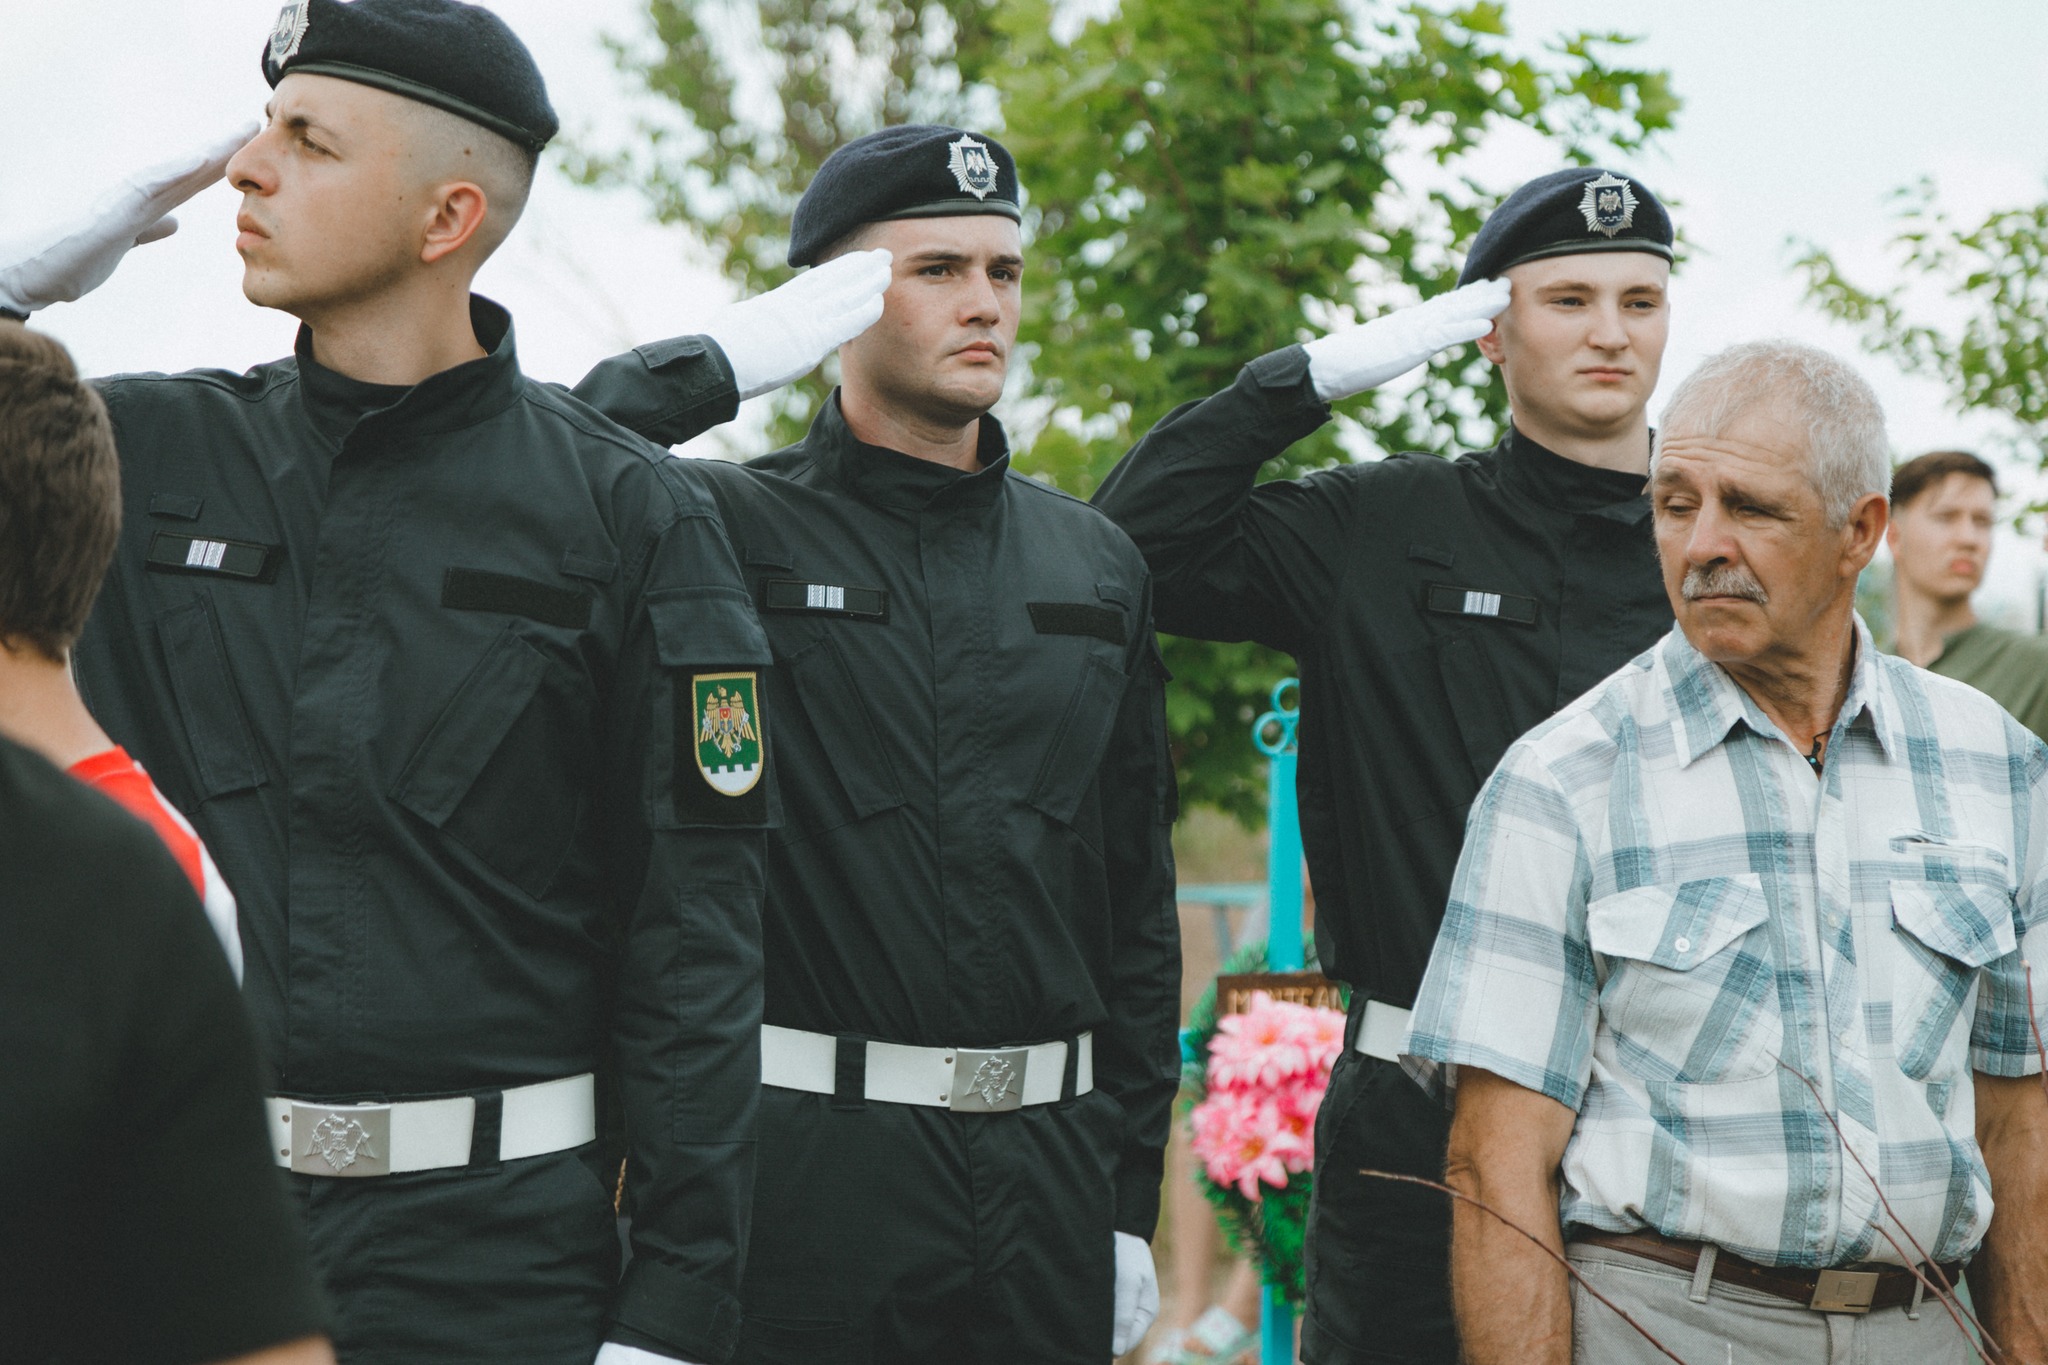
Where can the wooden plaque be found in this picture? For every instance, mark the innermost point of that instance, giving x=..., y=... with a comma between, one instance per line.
x=1234, y=991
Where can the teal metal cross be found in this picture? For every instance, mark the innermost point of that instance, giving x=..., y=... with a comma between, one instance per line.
x=1273, y=733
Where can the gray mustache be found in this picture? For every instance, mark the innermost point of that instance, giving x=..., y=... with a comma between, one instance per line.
x=1722, y=580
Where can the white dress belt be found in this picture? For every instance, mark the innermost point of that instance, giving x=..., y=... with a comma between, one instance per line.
x=1383, y=1030
x=972, y=1080
x=354, y=1140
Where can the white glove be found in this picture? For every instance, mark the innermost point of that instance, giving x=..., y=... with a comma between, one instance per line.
x=785, y=332
x=1361, y=358
x=1137, y=1292
x=57, y=265
x=614, y=1353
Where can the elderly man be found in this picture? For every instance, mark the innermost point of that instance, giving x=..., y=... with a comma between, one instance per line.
x=1732, y=985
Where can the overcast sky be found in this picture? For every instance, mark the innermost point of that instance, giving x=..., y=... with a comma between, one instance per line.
x=1800, y=118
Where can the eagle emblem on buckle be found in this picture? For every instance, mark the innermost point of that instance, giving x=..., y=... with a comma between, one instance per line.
x=728, y=712
x=992, y=1080
x=340, y=1141
x=1609, y=204
x=972, y=166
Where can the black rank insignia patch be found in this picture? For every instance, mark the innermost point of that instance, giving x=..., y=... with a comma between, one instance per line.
x=824, y=599
x=1505, y=606
x=1609, y=205
x=215, y=558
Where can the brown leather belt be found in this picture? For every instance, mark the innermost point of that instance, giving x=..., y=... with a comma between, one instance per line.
x=1824, y=1291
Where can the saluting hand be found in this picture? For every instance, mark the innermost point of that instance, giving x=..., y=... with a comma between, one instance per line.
x=1361, y=358
x=784, y=333
x=58, y=264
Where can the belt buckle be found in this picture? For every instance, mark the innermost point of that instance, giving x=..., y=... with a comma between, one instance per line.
x=347, y=1140
x=1844, y=1291
x=988, y=1081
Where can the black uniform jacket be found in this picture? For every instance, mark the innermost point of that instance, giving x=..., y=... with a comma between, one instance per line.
x=967, y=720
x=1437, y=609
x=418, y=663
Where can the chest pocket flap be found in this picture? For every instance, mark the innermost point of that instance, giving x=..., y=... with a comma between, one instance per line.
x=699, y=626
x=845, y=731
x=1969, y=923
x=469, y=728
x=1677, y=927
x=223, y=753
x=1070, y=764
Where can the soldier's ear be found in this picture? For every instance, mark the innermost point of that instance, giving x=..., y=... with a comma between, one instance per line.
x=1490, y=345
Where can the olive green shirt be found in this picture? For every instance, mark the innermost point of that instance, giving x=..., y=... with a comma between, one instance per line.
x=2005, y=665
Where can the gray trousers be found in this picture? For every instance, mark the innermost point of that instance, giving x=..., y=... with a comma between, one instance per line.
x=1737, y=1326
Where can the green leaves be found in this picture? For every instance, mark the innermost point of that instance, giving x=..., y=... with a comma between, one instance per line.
x=1996, y=358
x=1206, y=180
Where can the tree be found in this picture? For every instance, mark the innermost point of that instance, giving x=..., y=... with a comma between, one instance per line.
x=1207, y=180
x=1996, y=359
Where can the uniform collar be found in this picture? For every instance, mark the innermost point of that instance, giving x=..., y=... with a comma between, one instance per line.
x=460, y=397
x=1542, y=474
x=889, y=478
x=1706, y=703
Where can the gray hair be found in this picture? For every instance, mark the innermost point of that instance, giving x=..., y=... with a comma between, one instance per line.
x=1847, y=455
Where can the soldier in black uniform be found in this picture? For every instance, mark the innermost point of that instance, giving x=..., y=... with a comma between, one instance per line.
x=461, y=683
x=972, y=955
x=1437, y=609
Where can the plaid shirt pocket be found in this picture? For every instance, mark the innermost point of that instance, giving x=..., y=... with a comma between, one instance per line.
x=1944, y=932
x=1688, y=987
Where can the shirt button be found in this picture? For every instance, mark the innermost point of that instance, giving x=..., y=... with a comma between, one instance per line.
x=1684, y=945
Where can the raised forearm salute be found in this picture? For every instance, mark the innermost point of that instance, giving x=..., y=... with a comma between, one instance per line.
x=669, y=391
x=1437, y=609
x=1230, y=568
x=66, y=261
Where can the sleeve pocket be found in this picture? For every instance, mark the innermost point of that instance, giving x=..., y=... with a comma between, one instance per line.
x=711, y=636
x=706, y=626
x=223, y=753
x=1069, y=767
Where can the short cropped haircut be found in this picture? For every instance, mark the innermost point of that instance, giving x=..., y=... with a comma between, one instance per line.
x=1923, y=472
x=1847, y=455
x=60, y=494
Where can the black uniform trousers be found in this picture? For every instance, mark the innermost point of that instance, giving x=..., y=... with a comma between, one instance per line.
x=1377, y=1249
x=892, y=1234
x=508, y=1264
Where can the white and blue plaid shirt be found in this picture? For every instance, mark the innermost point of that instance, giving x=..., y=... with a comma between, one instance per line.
x=1663, y=918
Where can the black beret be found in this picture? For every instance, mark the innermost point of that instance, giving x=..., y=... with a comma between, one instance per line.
x=1565, y=213
x=920, y=170
x=457, y=57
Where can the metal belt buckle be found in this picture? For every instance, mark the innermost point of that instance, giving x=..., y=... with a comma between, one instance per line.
x=1844, y=1291
x=990, y=1082
x=341, y=1140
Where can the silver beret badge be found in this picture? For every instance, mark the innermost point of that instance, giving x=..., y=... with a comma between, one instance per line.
x=972, y=166
x=1609, y=205
x=290, y=31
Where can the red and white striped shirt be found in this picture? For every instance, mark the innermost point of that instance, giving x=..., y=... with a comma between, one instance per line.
x=120, y=777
